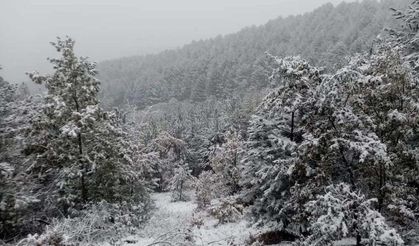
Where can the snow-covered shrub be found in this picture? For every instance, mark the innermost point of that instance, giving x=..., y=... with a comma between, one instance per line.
x=341, y=213
x=204, y=189
x=15, y=203
x=171, y=153
x=174, y=238
x=227, y=210
x=266, y=236
x=101, y=222
x=49, y=238
x=224, y=161
x=181, y=180
x=197, y=219
x=257, y=243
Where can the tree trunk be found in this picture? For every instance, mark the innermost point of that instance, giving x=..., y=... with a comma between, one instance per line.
x=358, y=240
x=81, y=162
x=292, y=127
x=83, y=170
x=180, y=191
x=345, y=161
x=381, y=191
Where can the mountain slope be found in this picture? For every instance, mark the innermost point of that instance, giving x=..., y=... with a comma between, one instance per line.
x=236, y=62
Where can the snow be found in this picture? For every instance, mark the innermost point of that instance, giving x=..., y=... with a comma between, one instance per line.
x=397, y=116
x=6, y=169
x=224, y=234
x=172, y=221
x=91, y=109
x=168, y=218
x=70, y=130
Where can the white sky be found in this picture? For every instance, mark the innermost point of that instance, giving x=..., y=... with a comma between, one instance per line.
x=105, y=29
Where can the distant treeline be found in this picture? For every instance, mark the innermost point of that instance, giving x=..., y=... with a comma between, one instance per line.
x=235, y=63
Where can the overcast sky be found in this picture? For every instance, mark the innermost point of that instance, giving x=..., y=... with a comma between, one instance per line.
x=106, y=29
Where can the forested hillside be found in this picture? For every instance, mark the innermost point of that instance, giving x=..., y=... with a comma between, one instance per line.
x=227, y=144
x=235, y=63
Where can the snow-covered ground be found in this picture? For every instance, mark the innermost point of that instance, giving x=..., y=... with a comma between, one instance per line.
x=172, y=222
x=169, y=220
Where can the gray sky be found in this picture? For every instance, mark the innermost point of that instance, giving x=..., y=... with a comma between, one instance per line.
x=106, y=29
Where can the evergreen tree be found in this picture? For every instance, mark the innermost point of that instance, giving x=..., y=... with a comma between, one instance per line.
x=224, y=162
x=357, y=125
x=180, y=181
x=270, y=162
x=341, y=213
x=17, y=196
x=171, y=154
x=80, y=153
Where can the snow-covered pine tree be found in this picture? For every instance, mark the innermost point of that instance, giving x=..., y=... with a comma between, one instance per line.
x=80, y=153
x=342, y=213
x=357, y=126
x=146, y=160
x=180, y=182
x=270, y=163
x=409, y=17
x=171, y=154
x=205, y=189
x=402, y=122
x=341, y=138
x=393, y=105
x=361, y=131
x=7, y=98
x=383, y=96
x=7, y=95
x=16, y=189
x=404, y=193
x=224, y=162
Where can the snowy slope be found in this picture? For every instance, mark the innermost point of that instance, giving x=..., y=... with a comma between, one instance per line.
x=171, y=224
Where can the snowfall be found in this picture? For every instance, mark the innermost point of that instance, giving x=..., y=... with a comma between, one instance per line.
x=172, y=223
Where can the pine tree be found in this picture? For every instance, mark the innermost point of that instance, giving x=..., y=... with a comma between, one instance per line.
x=205, y=189
x=357, y=125
x=171, y=154
x=180, y=182
x=224, y=162
x=270, y=163
x=381, y=94
x=80, y=153
x=17, y=197
x=341, y=213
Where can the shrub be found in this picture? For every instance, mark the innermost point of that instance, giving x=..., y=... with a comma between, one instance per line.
x=204, y=189
x=227, y=210
x=101, y=222
x=49, y=238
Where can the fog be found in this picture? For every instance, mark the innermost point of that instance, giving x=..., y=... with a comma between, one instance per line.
x=106, y=29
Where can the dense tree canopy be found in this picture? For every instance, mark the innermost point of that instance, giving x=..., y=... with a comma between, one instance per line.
x=225, y=65
x=315, y=140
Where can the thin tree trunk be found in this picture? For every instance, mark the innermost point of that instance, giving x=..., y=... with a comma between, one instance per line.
x=382, y=189
x=82, y=165
x=292, y=127
x=83, y=170
x=345, y=161
x=180, y=191
x=358, y=240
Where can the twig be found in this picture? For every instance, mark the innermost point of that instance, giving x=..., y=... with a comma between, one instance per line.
x=220, y=240
x=156, y=243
